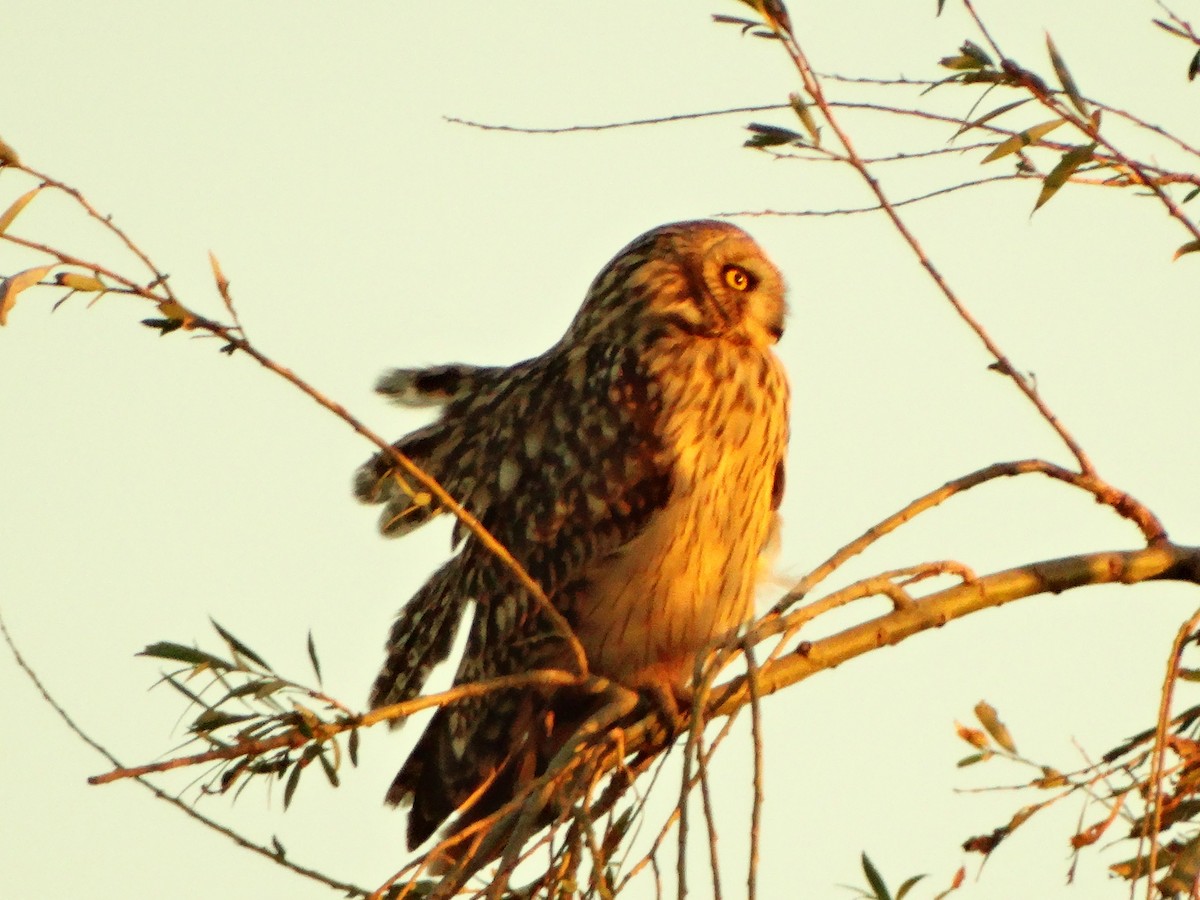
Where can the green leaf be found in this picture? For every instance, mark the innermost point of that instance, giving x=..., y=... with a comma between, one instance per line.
x=212, y=719
x=1194, y=67
x=312, y=656
x=330, y=771
x=290, y=789
x=973, y=758
x=806, y=118
x=994, y=114
x=1062, y=172
x=164, y=326
x=1190, y=195
x=1189, y=247
x=195, y=698
x=1022, y=140
x=771, y=136
x=908, y=886
x=974, y=51
x=962, y=62
x=238, y=648
x=1065, y=79
x=184, y=654
x=970, y=56
x=280, y=853
x=352, y=746
x=875, y=880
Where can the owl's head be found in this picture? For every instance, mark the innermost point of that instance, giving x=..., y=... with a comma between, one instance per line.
x=704, y=278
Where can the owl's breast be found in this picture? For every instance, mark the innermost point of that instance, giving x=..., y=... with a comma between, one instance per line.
x=689, y=577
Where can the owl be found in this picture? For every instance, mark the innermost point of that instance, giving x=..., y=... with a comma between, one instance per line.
x=634, y=469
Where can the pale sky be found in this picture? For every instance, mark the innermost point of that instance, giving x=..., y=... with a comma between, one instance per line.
x=149, y=483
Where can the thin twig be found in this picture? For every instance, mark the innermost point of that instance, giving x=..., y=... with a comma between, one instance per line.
x=323, y=731
x=270, y=853
x=756, y=741
x=1154, y=787
x=812, y=85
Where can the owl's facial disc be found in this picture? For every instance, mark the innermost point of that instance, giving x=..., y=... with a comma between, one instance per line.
x=744, y=291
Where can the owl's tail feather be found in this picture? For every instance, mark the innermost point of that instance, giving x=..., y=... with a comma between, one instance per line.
x=492, y=787
x=422, y=636
x=511, y=747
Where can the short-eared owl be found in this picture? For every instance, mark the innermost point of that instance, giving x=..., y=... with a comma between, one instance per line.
x=634, y=469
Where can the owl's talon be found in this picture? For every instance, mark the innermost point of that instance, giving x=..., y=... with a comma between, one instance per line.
x=663, y=701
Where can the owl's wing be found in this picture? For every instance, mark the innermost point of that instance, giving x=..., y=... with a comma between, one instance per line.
x=564, y=465
x=462, y=391
x=437, y=385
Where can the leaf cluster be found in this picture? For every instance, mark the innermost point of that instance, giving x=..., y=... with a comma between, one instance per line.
x=1119, y=797
x=261, y=724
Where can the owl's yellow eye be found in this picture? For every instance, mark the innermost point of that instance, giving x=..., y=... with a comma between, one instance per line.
x=737, y=278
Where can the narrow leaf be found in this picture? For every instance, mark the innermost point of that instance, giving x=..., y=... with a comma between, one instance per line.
x=290, y=789
x=806, y=118
x=989, y=719
x=994, y=114
x=280, y=853
x=1022, y=140
x=1064, y=78
x=1194, y=67
x=184, y=654
x=212, y=719
x=77, y=282
x=960, y=63
x=1062, y=172
x=175, y=313
x=238, y=648
x=1189, y=247
x=734, y=20
x=975, y=52
x=1190, y=195
x=771, y=135
x=330, y=771
x=352, y=746
x=15, y=208
x=875, y=880
x=194, y=698
x=14, y=284
x=1171, y=28
x=973, y=758
x=312, y=656
x=908, y=885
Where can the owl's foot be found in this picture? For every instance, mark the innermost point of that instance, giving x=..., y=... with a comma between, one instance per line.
x=670, y=707
x=663, y=692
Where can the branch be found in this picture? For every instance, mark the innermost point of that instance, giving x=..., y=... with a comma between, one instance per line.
x=180, y=317
x=273, y=853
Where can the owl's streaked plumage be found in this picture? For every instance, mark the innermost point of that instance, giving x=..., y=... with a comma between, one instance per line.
x=634, y=469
